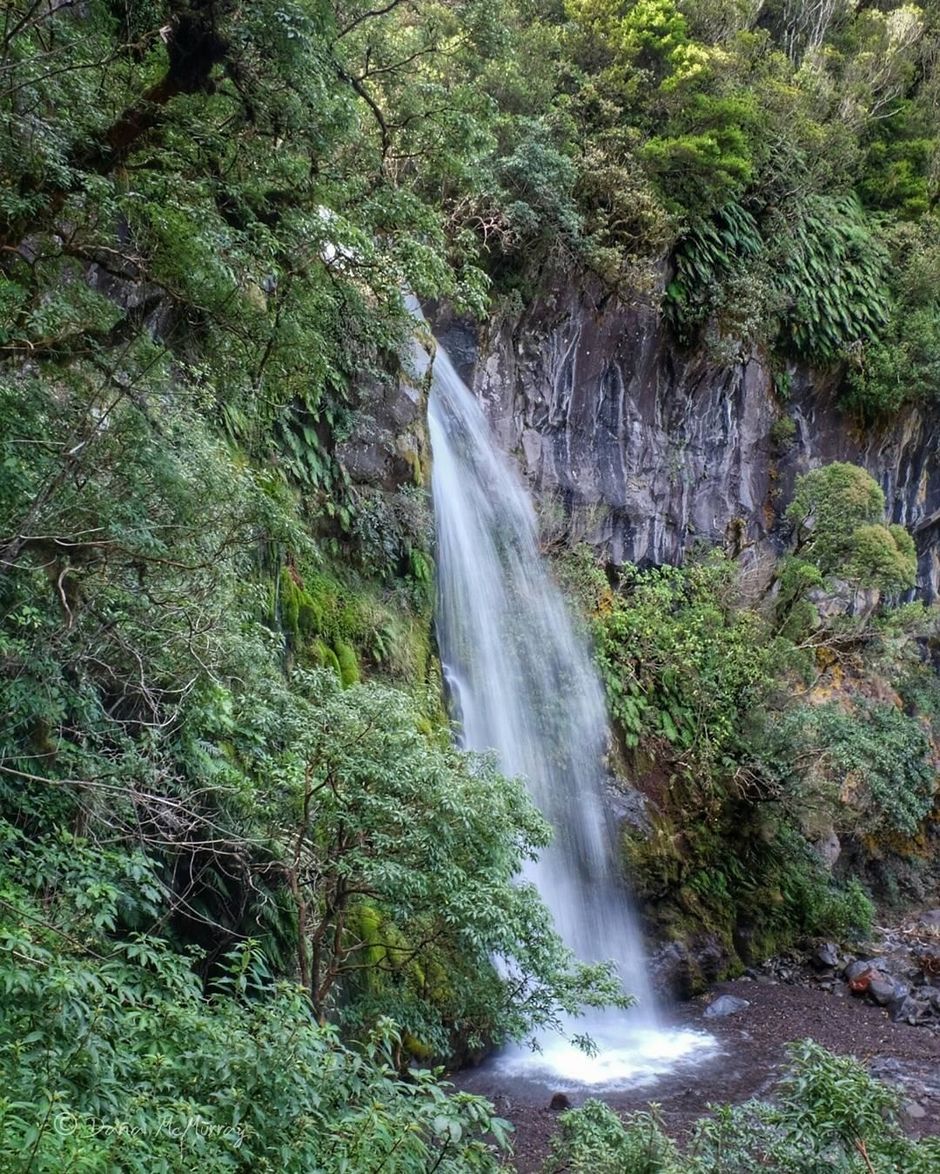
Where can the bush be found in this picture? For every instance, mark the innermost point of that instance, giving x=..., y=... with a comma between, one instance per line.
x=593, y=1140
x=683, y=662
x=117, y=1060
x=827, y=1113
x=837, y=515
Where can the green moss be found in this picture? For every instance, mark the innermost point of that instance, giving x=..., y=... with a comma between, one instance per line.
x=415, y=1048
x=364, y=925
x=324, y=657
x=289, y=606
x=348, y=663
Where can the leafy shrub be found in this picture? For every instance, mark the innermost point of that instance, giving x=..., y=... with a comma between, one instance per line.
x=113, y=1058
x=682, y=662
x=705, y=258
x=903, y=364
x=881, y=761
x=593, y=1138
x=833, y=275
x=837, y=514
x=817, y=274
x=827, y=1112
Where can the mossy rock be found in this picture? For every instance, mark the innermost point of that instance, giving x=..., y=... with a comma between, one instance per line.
x=324, y=657
x=415, y=1048
x=348, y=663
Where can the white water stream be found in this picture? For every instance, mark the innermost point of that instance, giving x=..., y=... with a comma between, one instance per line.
x=523, y=684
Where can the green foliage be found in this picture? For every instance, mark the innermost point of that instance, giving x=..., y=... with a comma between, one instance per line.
x=682, y=662
x=111, y=1056
x=833, y=280
x=827, y=1111
x=837, y=514
x=903, y=364
x=883, y=557
x=593, y=1138
x=704, y=260
x=704, y=667
x=431, y=840
x=348, y=665
x=875, y=759
x=213, y=818
x=816, y=270
x=207, y=216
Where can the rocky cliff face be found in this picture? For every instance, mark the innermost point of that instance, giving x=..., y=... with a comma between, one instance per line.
x=643, y=451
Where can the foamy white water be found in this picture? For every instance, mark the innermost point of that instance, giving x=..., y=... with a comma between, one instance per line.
x=523, y=685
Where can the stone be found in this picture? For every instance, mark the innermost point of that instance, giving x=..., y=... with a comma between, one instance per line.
x=826, y=956
x=854, y=970
x=881, y=988
x=558, y=1102
x=913, y=1110
x=931, y=918
x=725, y=1005
x=828, y=848
x=685, y=969
x=911, y=1010
x=901, y=991
x=630, y=808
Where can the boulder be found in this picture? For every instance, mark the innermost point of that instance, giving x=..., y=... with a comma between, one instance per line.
x=725, y=1005
x=912, y=1010
x=684, y=969
x=913, y=1110
x=825, y=956
x=630, y=808
x=881, y=988
x=828, y=848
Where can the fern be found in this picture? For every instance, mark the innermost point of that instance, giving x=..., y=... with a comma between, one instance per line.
x=828, y=275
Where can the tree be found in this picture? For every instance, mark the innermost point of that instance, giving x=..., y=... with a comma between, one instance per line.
x=403, y=865
x=837, y=515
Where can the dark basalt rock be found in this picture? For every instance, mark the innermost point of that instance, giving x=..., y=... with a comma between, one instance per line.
x=680, y=970
x=826, y=956
x=643, y=449
x=630, y=808
x=882, y=989
x=388, y=446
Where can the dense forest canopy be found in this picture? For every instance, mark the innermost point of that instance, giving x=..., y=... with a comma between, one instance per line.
x=246, y=878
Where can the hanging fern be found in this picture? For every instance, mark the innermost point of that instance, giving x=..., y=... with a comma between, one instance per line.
x=704, y=258
x=826, y=271
x=833, y=275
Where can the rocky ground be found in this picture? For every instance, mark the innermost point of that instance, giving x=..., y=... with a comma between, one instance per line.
x=898, y=970
x=879, y=1002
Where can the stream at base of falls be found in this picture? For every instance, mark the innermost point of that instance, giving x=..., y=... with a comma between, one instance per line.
x=522, y=683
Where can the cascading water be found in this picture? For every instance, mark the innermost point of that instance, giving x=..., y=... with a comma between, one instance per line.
x=523, y=685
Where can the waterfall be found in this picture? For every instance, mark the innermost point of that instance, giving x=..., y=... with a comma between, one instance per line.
x=522, y=684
